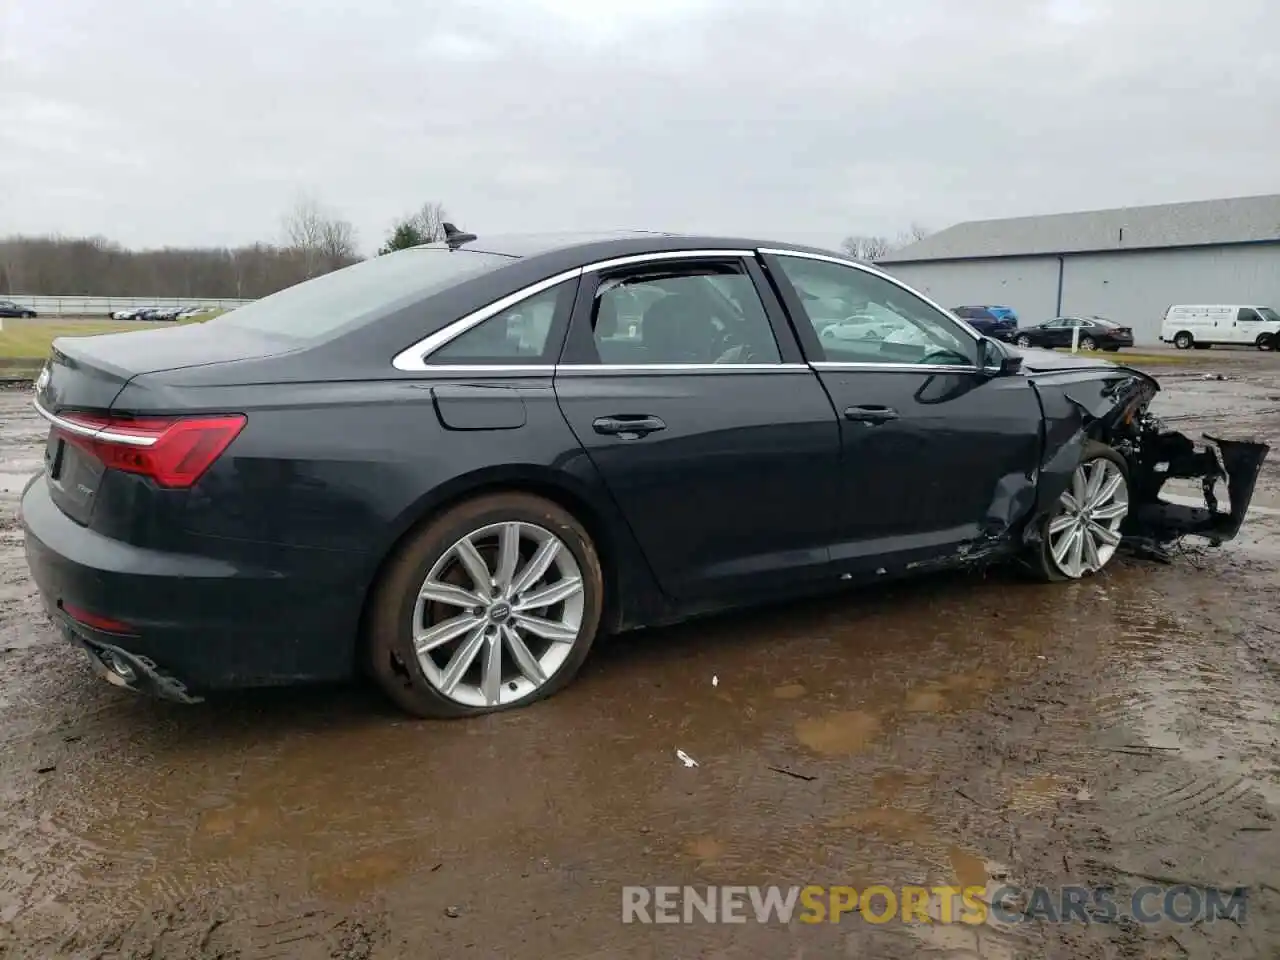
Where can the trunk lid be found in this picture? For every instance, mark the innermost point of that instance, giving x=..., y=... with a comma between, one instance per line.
x=84, y=376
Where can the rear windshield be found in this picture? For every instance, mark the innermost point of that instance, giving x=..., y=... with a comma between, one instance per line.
x=345, y=297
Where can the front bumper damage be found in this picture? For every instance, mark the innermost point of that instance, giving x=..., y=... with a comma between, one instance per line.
x=1162, y=455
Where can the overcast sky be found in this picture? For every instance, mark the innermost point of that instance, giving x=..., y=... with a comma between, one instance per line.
x=201, y=121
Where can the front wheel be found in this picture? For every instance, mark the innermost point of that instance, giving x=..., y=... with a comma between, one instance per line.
x=493, y=605
x=1023, y=342
x=1080, y=535
x=1266, y=342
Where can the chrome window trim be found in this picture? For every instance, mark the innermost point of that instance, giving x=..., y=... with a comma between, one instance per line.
x=413, y=359
x=805, y=255
x=79, y=429
x=836, y=365
x=655, y=369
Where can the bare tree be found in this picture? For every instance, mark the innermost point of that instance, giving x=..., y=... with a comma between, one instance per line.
x=913, y=234
x=323, y=241
x=862, y=247
x=425, y=225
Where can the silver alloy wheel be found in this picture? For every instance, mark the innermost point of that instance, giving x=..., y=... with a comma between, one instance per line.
x=1088, y=344
x=1024, y=341
x=498, y=614
x=1086, y=531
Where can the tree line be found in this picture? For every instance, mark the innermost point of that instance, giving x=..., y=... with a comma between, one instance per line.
x=313, y=240
x=873, y=247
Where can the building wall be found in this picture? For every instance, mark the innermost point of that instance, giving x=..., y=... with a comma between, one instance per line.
x=1137, y=288
x=1134, y=288
x=1028, y=284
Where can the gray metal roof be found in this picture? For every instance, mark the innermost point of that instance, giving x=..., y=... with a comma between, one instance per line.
x=1198, y=223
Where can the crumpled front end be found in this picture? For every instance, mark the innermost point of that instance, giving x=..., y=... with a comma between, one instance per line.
x=1081, y=406
x=1159, y=455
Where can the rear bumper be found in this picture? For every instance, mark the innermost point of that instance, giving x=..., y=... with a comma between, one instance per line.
x=189, y=623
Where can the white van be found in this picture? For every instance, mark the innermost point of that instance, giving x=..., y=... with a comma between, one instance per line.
x=1201, y=326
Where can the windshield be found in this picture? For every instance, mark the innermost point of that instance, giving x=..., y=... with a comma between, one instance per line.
x=345, y=297
x=1266, y=313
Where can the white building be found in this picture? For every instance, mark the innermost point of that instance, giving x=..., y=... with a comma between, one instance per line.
x=1128, y=264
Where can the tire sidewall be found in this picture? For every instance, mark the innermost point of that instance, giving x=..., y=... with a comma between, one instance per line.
x=390, y=623
x=1043, y=560
x=1183, y=341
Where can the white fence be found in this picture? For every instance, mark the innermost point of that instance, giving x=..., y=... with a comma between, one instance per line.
x=77, y=306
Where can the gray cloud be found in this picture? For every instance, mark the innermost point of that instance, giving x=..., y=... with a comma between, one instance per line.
x=190, y=122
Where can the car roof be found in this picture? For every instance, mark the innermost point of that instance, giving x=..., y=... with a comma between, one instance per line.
x=591, y=246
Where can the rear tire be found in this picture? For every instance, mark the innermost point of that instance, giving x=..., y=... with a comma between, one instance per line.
x=464, y=628
x=1184, y=340
x=1024, y=342
x=1088, y=343
x=1095, y=528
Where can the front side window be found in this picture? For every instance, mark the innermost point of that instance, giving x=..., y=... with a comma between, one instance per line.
x=693, y=314
x=1247, y=315
x=881, y=323
x=518, y=335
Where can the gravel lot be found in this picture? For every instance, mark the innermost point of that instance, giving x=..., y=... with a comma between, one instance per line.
x=979, y=730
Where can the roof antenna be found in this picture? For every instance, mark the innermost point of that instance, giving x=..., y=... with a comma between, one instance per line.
x=455, y=237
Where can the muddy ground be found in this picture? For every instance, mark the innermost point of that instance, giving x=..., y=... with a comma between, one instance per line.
x=971, y=729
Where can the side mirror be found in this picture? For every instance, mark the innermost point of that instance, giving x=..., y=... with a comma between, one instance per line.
x=995, y=361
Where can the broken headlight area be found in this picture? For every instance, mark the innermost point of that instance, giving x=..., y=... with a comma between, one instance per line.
x=1157, y=455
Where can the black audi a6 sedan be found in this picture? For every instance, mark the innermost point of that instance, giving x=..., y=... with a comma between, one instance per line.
x=452, y=467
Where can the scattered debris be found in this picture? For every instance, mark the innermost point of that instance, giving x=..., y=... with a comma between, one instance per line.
x=47, y=769
x=1041, y=656
x=684, y=758
x=451, y=912
x=715, y=681
x=1215, y=376
x=791, y=773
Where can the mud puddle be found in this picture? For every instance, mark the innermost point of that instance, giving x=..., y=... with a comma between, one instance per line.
x=970, y=731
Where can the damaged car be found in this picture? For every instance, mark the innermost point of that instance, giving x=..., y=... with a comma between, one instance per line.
x=453, y=467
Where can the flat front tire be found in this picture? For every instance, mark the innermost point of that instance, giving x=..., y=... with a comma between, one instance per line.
x=1080, y=535
x=492, y=605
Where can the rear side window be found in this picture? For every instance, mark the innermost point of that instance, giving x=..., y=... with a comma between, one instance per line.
x=521, y=334
x=709, y=313
x=360, y=293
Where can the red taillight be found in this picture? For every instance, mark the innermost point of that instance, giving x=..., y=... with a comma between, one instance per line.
x=96, y=621
x=172, y=451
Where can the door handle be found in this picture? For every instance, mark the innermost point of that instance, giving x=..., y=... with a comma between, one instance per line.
x=627, y=427
x=871, y=413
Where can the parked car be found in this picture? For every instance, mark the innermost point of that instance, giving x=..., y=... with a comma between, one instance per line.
x=1202, y=326
x=992, y=321
x=129, y=313
x=1096, y=333
x=10, y=309
x=190, y=312
x=366, y=471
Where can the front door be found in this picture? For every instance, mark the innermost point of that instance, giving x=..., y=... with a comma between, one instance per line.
x=936, y=455
x=681, y=380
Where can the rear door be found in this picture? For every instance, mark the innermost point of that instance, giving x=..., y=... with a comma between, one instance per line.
x=719, y=445
x=935, y=453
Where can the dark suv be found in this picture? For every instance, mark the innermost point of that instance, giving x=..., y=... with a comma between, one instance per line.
x=992, y=321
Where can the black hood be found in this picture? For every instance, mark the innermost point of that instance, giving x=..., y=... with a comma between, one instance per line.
x=1034, y=360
